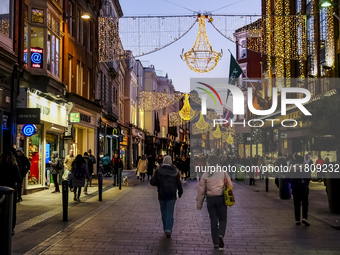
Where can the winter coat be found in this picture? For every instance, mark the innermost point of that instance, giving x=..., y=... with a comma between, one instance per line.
x=10, y=175
x=89, y=164
x=142, y=166
x=168, y=182
x=24, y=165
x=54, y=165
x=299, y=185
x=151, y=165
x=212, y=185
x=68, y=162
x=105, y=160
x=79, y=174
x=116, y=164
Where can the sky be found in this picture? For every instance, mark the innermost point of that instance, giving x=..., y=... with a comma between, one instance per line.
x=168, y=59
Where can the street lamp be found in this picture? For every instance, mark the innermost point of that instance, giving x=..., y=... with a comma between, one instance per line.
x=85, y=15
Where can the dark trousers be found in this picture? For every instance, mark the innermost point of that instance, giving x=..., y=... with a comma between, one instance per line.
x=142, y=176
x=55, y=180
x=75, y=191
x=19, y=189
x=300, y=199
x=115, y=178
x=218, y=217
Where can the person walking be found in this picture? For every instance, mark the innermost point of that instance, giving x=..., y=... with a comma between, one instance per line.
x=89, y=165
x=142, y=167
x=151, y=165
x=262, y=162
x=69, y=160
x=56, y=165
x=93, y=159
x=280, y=162
x=318, y=163
x=168, y=182
x=211, y=186
x=300, y=190
x=10, y=176
x=117, y=165
x=182, y=166
x=106, y=165
x=79, y=174
x=24, y=166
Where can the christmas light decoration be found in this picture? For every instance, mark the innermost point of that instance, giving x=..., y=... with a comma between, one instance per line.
x=150, y=101
x=176, y=120
x=202, y=58
x=330, y=44
x=201, y=123
x=217, y=132
x=230, y=139
x=110, y=47
x=186, y=112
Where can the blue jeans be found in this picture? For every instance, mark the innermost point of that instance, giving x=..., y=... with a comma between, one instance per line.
x=167, y=210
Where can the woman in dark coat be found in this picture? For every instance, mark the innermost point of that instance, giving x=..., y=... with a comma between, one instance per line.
x=151, y=165
x=79, y=174
x=10, y=176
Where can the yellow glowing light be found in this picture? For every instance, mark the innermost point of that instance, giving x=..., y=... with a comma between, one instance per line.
x=230, y=139
x=201, y=58
x=201, y=123
x=186, y=112
x=217, y=132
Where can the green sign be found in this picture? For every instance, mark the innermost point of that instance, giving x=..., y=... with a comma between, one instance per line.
x=75, y=117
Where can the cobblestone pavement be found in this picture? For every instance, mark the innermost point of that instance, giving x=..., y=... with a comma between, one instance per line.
x=128, y=222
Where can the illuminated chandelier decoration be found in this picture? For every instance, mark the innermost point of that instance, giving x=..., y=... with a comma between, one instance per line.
x=230, y=139
x=202, y=58
x=186, y=112
x=201, y=123
x=217, y=133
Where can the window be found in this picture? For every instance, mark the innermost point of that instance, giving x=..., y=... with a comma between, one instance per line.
x=25, y=45
x=69, y=72
x=88, y=31
x=80, y=78
x=298, y=6
x=37, y=16
x=242, y=48
x=78, y=25
x=37, y=47
x=163, y=132
x=164, y=112
x=5, y=18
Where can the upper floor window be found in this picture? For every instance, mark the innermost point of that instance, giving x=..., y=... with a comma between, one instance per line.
x=242, y=49
x=6, y=22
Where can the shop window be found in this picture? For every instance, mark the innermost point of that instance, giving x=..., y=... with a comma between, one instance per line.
x=70, y=20
x=37, y=47
x=69, y=72
x=163, y=132
x=37, y=16
x=25, y=45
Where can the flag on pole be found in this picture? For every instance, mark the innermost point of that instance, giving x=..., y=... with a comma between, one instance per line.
x=227, y=115
x=234, y=72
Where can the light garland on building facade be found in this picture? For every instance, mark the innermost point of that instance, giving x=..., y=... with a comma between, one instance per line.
x=201, y=123
x=150, y=101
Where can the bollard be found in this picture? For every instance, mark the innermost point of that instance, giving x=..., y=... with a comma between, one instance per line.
x=65, y=199
x=6, y=218
x=100, y=186
x=267, y=184
x=120, y=170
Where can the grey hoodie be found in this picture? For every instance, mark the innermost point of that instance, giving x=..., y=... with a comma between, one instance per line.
x=54, y=169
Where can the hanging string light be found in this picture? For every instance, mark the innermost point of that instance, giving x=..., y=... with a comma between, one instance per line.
x=186, y=112
x=150, y=101
x=202, y=58
x=230, y=139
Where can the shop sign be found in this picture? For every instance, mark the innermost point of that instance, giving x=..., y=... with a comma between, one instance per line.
x=69, y=132
x=36, y=57
x=116, y=131
x=28, y=116
x=4, y=121
x=49, y=111
x=74, y=117
x=28, y=130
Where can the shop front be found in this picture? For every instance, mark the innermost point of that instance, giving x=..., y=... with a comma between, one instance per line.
x=108, y=138
x=124, y=146
x=84, y=136
x=39, y=132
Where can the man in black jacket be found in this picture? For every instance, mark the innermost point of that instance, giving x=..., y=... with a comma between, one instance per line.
x=168, y=182
x=24, y=166
x=117, y=165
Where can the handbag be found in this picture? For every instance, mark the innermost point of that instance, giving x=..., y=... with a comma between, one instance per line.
x=229, y=197
x=65, y=174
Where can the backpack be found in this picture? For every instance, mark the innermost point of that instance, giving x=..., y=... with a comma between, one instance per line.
x=60, y=164
x=167, y=185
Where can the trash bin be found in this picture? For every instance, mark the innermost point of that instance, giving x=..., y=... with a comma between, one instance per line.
x=239, y=173
x=6, y=217
x=284, y=188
